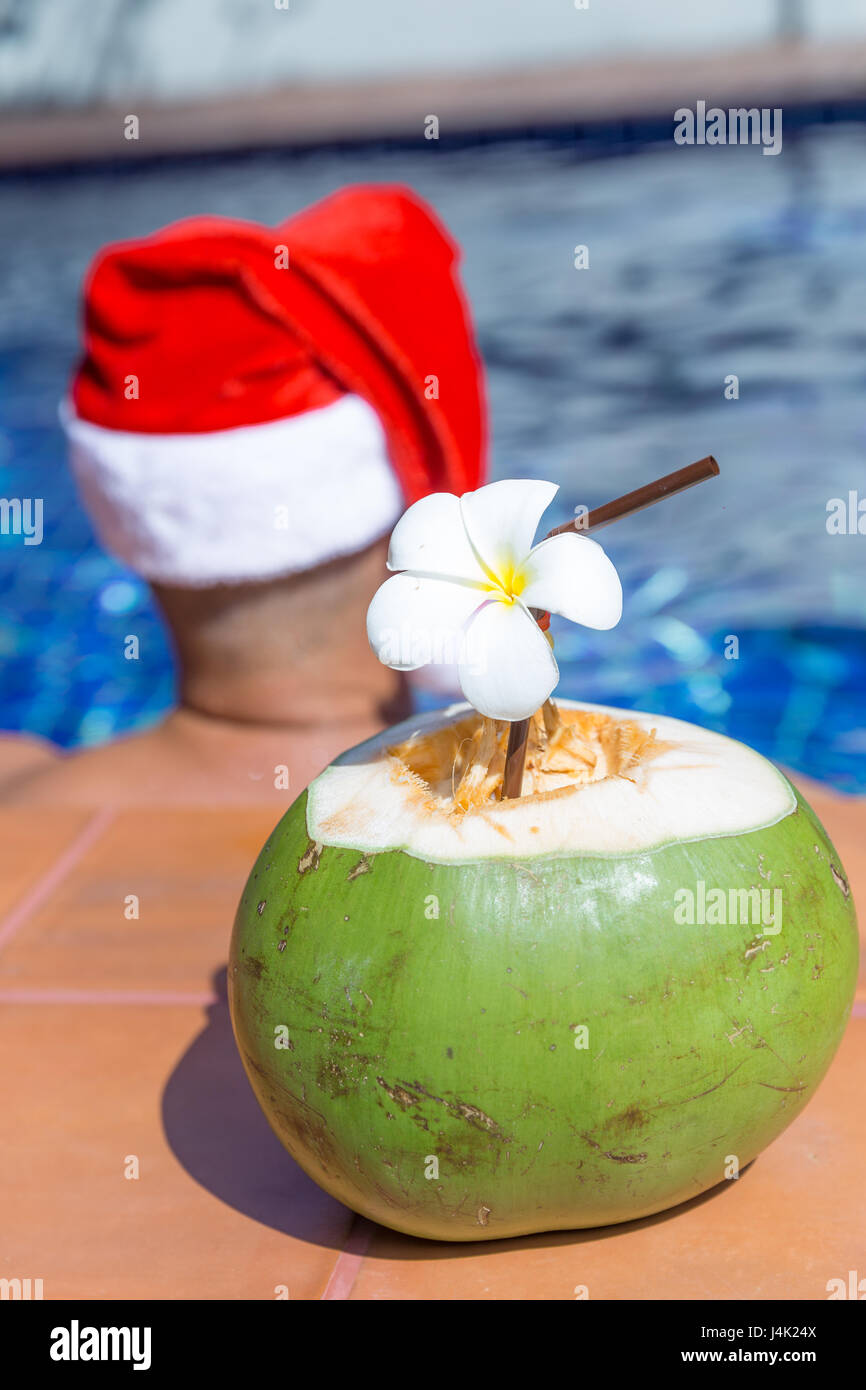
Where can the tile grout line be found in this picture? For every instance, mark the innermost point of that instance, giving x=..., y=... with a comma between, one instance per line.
x=349, y=1261
x=62, y=866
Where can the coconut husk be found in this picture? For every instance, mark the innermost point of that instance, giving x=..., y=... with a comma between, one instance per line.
x=461, y=766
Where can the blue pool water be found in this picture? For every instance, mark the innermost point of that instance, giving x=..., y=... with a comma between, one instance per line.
x=703, y=263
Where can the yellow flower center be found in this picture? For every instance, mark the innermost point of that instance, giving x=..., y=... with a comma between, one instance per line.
x=507, y=582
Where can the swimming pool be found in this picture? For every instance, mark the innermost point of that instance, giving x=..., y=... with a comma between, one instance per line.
x=703, y=264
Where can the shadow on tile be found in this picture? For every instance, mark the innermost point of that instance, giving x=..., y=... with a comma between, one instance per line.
x=217, y=1131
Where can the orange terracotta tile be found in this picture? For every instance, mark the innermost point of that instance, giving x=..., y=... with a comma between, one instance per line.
x=30, y=843
x=187, y=869
x=792, y=1221
x=218, y=1211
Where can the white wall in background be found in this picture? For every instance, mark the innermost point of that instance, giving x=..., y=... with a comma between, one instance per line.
x=75, y=52
x=836, y=19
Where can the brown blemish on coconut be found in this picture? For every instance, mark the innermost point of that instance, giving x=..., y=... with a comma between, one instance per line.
x=632, y=1117
x=408, y=1093
x=399, y=1094
x=840, y=880
x=753, y=951
x=475, y=1116
x=739, y=1031
x=614, y=1157
x=363, y=866
x=309, y=860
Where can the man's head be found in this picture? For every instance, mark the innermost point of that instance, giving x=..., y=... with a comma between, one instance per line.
x=254, y=409
x=290, y=650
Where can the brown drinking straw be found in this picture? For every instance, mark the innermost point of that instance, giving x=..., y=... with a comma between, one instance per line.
x=668, y=486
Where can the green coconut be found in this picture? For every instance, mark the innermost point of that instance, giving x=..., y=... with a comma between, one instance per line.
x=468, y=1018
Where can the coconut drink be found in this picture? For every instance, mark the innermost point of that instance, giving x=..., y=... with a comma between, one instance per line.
x=521, y=965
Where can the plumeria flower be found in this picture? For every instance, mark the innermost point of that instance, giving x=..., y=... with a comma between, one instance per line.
x=469, y=577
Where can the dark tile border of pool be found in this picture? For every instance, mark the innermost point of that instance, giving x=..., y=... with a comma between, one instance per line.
x=605, y=139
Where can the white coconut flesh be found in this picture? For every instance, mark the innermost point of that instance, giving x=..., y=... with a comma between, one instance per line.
x=598, y=781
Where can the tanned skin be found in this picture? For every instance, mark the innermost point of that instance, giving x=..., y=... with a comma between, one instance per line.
x=270, y=675
x=23, y=754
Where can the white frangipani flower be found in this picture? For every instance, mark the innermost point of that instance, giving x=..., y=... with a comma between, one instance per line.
x=470, y=575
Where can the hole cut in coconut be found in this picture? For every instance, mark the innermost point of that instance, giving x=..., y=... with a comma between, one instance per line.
x=599, y=780
x=460, y=767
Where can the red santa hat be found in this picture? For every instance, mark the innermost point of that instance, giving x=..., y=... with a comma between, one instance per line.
x=255, y=401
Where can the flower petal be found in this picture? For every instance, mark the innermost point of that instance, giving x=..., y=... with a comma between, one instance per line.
x=507, y=668
x=413, y=621
x=430, y=538
x=502, y=518
x=571, y=575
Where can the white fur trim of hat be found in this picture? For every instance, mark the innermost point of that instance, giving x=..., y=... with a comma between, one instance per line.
x=238, y=505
